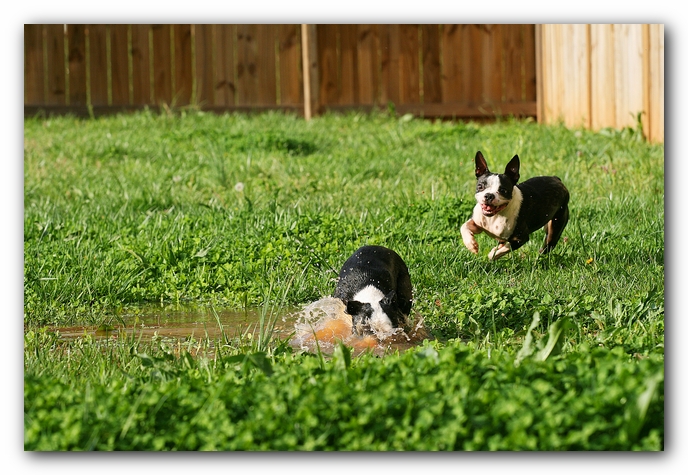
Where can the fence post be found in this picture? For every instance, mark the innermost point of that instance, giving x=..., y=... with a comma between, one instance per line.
x=309, y=60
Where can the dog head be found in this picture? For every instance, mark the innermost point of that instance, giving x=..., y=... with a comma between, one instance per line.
x=494, y=191
x=378, y=316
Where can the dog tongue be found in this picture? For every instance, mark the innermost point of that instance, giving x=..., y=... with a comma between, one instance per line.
x=490, y=209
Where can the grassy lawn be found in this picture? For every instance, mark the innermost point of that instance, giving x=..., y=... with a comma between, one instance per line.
x=556, y=352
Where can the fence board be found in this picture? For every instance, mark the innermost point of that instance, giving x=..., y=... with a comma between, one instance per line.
x=34, y=73
x=530, y=64
x=603, y=90
x=290, y=67
x=389, y=67
x=55, y=73
x=409, y=64
x=162, y=64
x=628, y=50
x=247, y=52
x=493, y=74
x=203, y=93
x=183, y=71
x=432, y=89
x=311, y=76
x=76, y=43
x=480, y=63
x=225, y=72
x=266, y=62
x=97, y=64
x=141, y=69
x=348, y=64
x=452, y=82
x=513, y=60
x=119, y=59
x=327, y=60
x=655, y=108
x=367, y=64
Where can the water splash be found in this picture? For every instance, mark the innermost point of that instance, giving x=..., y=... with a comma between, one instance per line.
x=324, y=323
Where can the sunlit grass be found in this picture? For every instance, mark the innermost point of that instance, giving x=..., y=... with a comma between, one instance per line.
x=260, y=211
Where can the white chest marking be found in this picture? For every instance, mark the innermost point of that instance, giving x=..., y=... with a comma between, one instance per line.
x=379, y=321
x=501, y=225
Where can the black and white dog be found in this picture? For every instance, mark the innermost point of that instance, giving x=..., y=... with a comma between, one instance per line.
x=375, y=286
x=509, y=212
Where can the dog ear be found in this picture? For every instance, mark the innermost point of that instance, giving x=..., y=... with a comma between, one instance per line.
x=480, y=165
x=353, y=307
x=512, y=169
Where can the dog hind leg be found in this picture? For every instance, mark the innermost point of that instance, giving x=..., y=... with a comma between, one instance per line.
x=555, y=228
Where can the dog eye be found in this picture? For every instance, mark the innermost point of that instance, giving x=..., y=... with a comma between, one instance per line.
x=502, y=191
x=480, y=187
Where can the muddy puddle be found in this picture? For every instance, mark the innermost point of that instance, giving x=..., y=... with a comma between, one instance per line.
x=318, y=326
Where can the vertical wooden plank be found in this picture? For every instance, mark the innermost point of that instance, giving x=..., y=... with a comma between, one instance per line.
x=247, y=65
x=513, y=60
x=529, y=64
x=575, y=74
x=645, y=116
x=34, y=74
x=629, y=74
x=409, y=64
x=97, y=64
x=290, y=67
x=390, y=80
x=119, y=57
x=491, y=40
x=225, y=83
x=327, y=60
x=183, y=71
x=311, y=66
x=56, y=74
x=472, y=63
x=432, y=91
x=539, y=74
x=266, y=61
x=453, y=58
x=348, y=65
x=76, y=41
x=366, y=66
x=162, y=64
x=602, y=76
x=204, y=93
x=655, y=132
x=141, y=72
x=552, y=73
x=384, y=70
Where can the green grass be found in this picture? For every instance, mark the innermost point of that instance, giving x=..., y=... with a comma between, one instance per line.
x=235, y=210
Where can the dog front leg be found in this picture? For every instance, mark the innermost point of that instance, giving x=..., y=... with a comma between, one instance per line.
x=468, y=230
x=499, y=250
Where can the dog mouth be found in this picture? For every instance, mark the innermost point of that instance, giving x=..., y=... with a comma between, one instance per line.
x=490, y=210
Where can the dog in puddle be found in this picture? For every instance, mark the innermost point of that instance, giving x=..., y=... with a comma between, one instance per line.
x=375, y=286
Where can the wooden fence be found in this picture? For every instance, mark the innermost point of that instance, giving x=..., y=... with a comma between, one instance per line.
x=603, y=76
x=589, y=75
x=431, y=70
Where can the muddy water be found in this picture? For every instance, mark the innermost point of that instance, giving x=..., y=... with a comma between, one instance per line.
x=324, y=323
x=181, y=322
x=318, y=326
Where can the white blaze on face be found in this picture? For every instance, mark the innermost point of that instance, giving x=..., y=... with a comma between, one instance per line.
x=379, y=321
x=491, y=186
x=500, y=225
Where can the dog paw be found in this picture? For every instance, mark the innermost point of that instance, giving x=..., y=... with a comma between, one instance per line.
x=471, y=246
x=499, y=251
